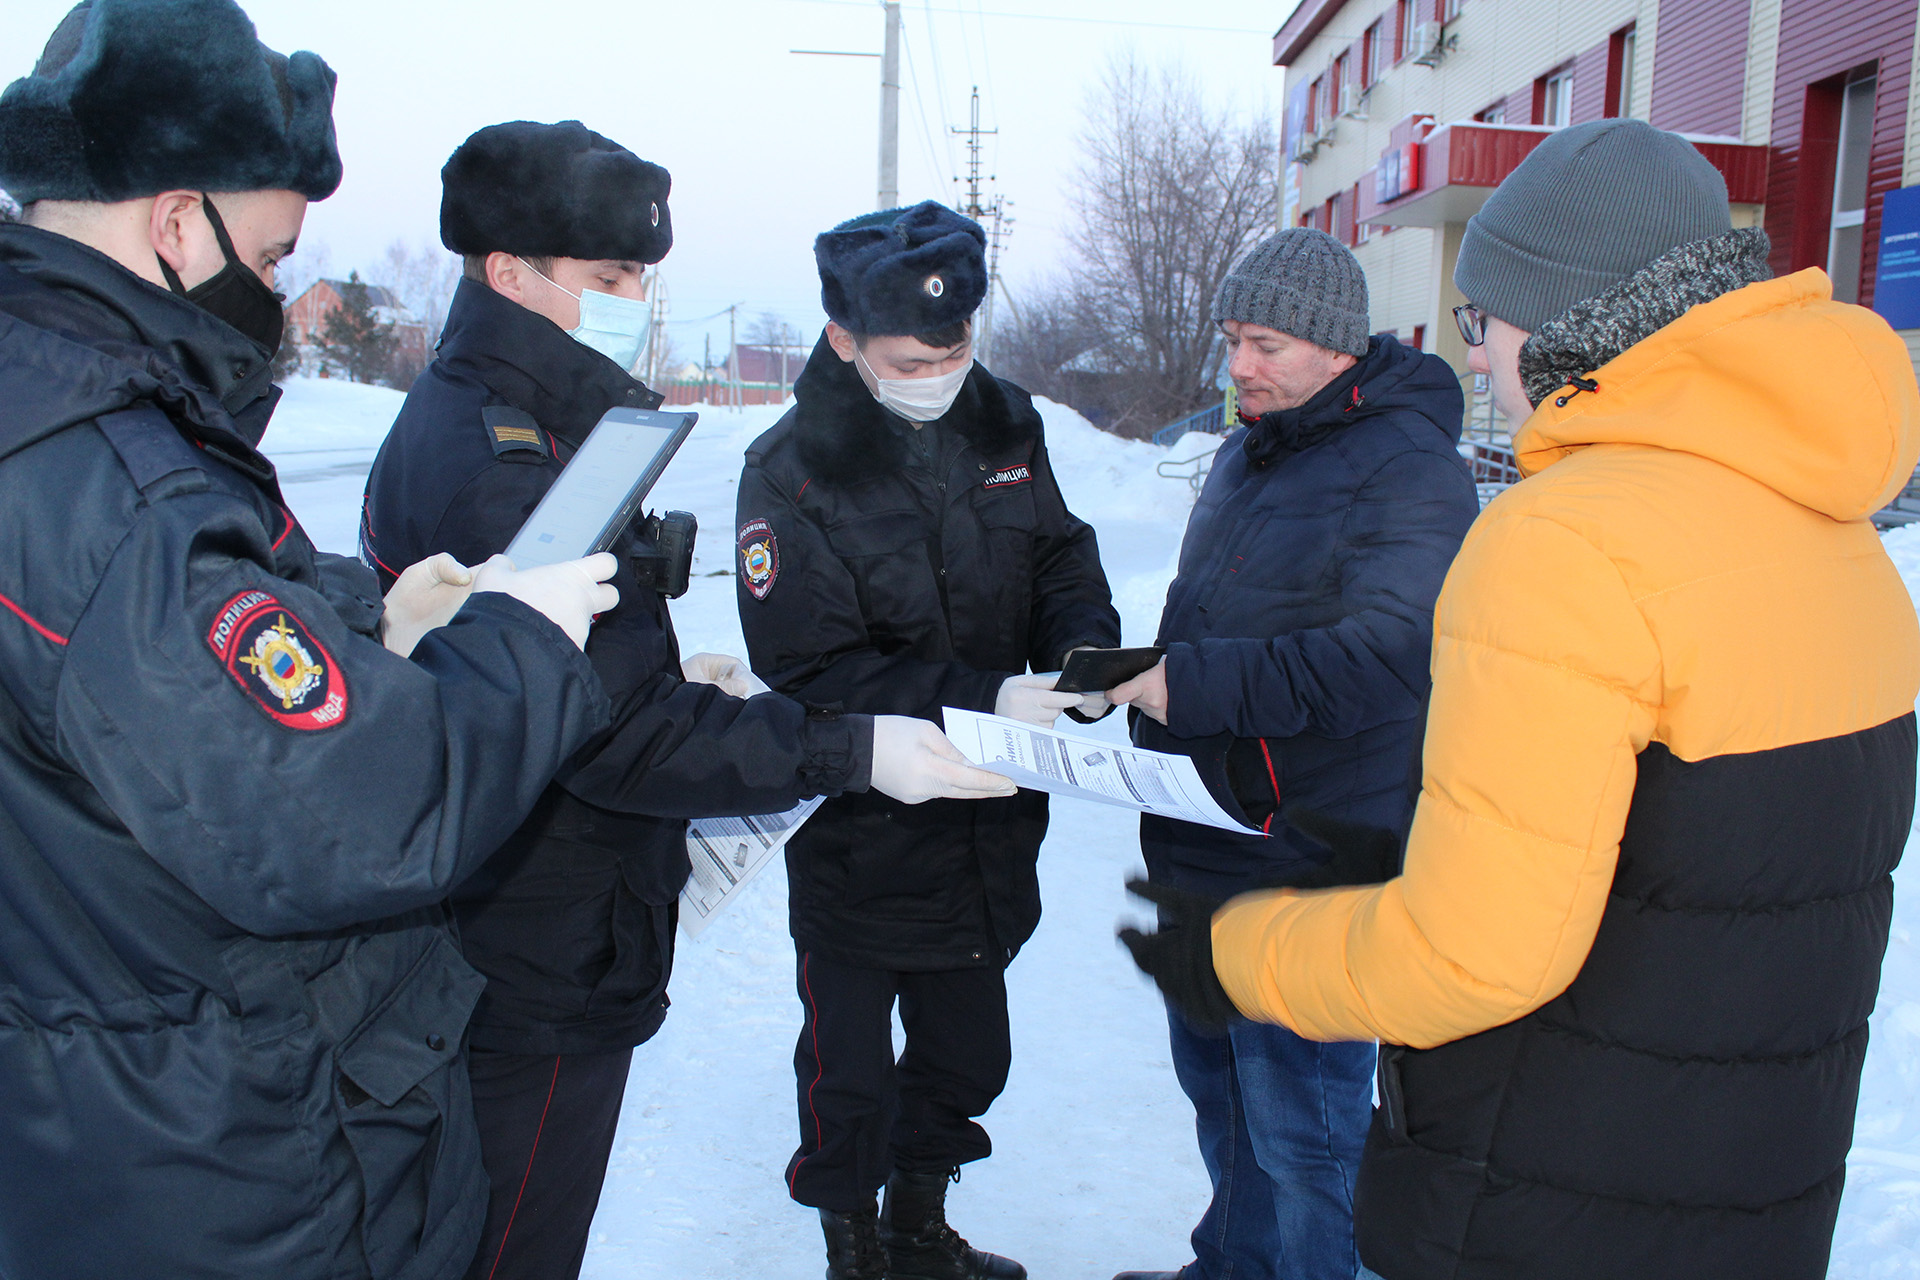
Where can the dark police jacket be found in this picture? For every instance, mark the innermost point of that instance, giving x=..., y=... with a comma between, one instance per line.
x=572, y=920
x=211, y=773
x=1299, y=626
x=874, y=578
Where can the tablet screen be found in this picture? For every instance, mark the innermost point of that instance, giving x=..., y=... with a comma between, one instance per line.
x=601, y=487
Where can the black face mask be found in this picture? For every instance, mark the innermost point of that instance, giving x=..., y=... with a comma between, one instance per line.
x=235, y=294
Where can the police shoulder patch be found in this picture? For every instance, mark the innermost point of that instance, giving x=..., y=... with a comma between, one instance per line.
x=278, y=663
x=759, y=557
x=512, y=431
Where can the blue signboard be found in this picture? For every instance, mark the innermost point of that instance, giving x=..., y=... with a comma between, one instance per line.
x=1295, y=126
x=1896, y=285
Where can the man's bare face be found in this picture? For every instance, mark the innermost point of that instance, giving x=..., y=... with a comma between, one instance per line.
x=1273, y=370
x=1499, y=358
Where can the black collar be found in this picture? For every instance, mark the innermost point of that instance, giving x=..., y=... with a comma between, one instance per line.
x=844, y=435
x=94, y=300
x=535, y=365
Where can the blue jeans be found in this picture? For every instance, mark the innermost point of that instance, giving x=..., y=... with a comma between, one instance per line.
x=1281, y=1123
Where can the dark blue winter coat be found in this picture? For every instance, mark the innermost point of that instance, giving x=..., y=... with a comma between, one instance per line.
x=231, y=1006
x=1299, y=625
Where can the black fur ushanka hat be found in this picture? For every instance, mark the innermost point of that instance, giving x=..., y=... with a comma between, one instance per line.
x=135, y=97
x=903, y=271
x=553, y=191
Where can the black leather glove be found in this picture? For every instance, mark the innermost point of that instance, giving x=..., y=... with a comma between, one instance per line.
x=1362, y=854
x=1179, y=957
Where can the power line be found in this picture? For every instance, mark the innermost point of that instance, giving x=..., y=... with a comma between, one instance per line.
x=1056, y=17
x=920, y=103
x=939, y=85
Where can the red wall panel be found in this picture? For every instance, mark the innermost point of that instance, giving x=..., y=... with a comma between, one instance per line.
x=1819, y=40
x=1590, y=84
x=1700, y=63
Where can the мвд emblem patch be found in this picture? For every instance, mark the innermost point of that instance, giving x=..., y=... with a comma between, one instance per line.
x=277, y=662
x=759, y=557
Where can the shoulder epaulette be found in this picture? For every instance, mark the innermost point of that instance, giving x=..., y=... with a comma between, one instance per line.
x=512, y=430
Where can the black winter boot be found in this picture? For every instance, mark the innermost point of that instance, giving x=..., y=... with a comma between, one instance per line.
x=921, y=1246
x=853, y=1245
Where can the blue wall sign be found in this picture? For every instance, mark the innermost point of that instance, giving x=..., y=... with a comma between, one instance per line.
x=1896, y=284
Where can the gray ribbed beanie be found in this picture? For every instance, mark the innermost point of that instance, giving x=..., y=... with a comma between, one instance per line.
x=1589, y=207
x=1303, y=282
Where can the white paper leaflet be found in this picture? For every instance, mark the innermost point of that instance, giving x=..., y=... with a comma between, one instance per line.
x=1066, y=764
x=728, y=852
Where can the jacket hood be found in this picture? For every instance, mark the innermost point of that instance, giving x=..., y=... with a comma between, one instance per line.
x=843, y=433
x=535, y=365
x=1813, y=398
x=81, y=336
x=1392, y=377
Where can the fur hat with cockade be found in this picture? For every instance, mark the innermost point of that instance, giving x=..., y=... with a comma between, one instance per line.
x=902, y=272
x=135, y=97
x=553, y=191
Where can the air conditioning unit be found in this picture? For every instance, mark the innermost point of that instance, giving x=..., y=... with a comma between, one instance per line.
x=1353, y=101
x=1429, y=43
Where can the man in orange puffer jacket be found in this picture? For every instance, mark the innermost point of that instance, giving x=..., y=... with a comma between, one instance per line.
x=1622, y=984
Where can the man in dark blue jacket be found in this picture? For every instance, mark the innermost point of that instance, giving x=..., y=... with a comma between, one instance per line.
x=1297, y=633
x=231, y=1006
x=572, y=921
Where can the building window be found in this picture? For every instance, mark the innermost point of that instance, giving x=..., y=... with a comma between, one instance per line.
x=1314, y=114
x=1495, y=114
x=1553, y=98
x=1446, y=10
x=1419, y=337
x=1848, y=227
x=1404, y=21
x=1373, y=54
x=1620, y=47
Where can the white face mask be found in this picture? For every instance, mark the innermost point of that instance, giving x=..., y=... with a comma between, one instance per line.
x=917, y=399
x=616, y=327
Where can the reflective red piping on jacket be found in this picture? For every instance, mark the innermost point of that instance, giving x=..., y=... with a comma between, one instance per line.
x=31, y=621
x=284, y=532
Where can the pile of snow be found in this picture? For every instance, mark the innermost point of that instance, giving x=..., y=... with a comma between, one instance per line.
x=1095, y=1169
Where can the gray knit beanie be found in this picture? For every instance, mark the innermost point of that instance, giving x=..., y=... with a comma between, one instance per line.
x=1303, y=282
x=1589, y=207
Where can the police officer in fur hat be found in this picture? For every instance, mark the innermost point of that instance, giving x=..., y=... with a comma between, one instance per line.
x=230, y=805
x=904, y=547
x=572, y=921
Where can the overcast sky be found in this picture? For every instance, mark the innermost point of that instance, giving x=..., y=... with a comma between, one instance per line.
x=767, y=148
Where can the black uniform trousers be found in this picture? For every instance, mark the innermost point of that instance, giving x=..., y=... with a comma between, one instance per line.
x=862, y=1114
x=546, y=1131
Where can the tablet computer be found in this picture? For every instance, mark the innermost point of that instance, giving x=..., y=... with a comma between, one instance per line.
x=602, y=486
x=1098, y=670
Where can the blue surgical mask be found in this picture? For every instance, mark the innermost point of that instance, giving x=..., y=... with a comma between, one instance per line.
x=616, y=327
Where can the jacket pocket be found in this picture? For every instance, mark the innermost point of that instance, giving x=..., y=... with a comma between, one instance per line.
x=892, y=567
x=1393, y=1096
x=400, y=1082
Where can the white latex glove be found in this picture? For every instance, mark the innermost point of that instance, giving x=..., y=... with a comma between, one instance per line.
x=426, y=595
x=1032, y=699
x=724, y=670
x=570, y=593
x=913, y=761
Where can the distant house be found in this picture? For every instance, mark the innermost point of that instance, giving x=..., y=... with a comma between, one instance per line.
x=778, y=366
x=307, y=318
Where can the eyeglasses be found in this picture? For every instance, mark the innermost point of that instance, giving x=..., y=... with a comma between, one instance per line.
x=1473, y=324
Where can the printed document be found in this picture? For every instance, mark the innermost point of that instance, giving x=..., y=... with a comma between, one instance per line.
x=728, y=852
x=1067, y=764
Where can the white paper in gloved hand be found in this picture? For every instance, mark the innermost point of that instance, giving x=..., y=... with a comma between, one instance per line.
x=426, y=595
x=913, y=761
x=730, y=674
x=1033, y=699
x=570, y=594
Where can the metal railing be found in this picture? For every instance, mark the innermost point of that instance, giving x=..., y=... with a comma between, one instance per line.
x=1214, y=420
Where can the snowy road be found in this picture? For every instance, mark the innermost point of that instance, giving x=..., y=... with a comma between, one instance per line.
x=1095, y=1168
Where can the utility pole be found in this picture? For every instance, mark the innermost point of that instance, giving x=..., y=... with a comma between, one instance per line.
x=890, y=111
x=733, y=357
x=706, y=371
x=993, y=216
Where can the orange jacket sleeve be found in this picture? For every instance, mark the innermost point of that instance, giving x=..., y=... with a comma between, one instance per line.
x=1546, y=685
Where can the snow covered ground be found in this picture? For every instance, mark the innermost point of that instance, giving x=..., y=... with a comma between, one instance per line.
x=1095, y=1168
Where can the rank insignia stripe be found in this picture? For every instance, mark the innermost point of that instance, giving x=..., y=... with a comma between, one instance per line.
x=759, y=557
x=511, y=430
x=1008, y=475
x=278, y=663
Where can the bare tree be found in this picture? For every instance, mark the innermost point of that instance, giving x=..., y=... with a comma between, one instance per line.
x=1167, y=194
x=423, y=277
x=783, y=341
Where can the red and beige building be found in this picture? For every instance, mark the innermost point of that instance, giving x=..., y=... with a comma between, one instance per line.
x=1403, y=115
